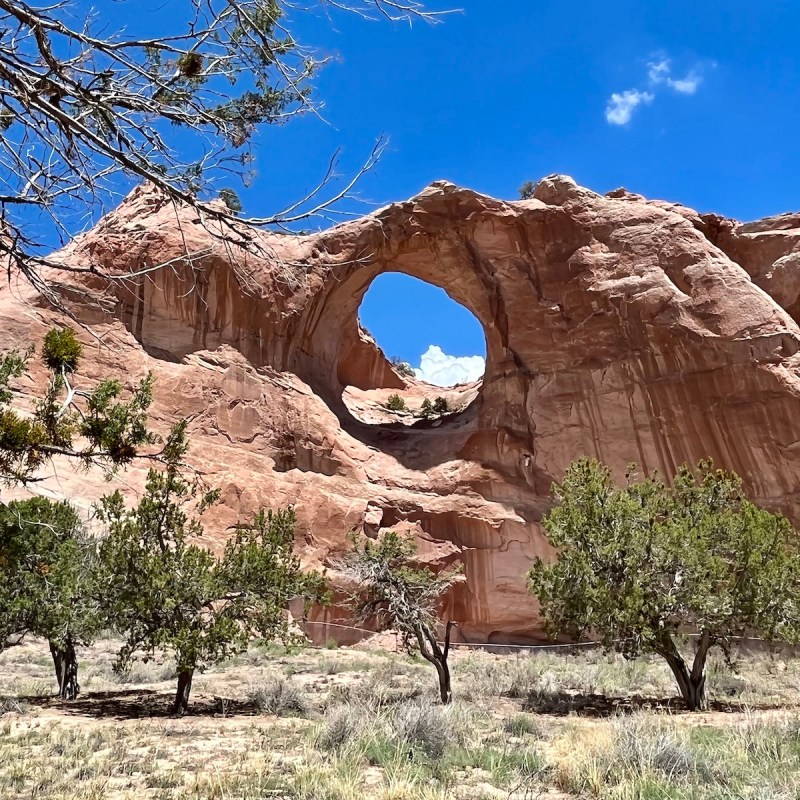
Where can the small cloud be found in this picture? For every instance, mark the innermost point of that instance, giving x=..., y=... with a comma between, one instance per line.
x=687, y=85
x=621, y=105
x=661, y=71
x=658, y=71
x=440, y=369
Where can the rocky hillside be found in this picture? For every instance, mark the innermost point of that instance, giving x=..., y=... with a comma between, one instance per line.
x=622, y=328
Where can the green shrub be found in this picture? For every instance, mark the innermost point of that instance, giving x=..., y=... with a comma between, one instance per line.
x=61, y=350
x=395, y=403
x=440, y=405
x=523, y=725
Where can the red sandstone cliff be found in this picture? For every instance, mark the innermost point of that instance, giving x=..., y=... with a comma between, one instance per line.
x=616, y=327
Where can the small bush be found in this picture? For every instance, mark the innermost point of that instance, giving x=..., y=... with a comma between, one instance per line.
x=644, y=748
x=426, y=409
x=231, y=200
x=61, y=350
x=440, y=405
x=523, y=725
x=402, y=368
x=522, y=675
x=11, y=705
x=421, y=725
x=395, y=403
x=280, y=698
x=343, y=724
x=547, y=699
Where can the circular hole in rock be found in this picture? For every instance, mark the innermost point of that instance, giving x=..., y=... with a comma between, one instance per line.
x=436, y=346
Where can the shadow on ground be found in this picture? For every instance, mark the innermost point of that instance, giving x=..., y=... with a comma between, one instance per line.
x=560, y=704
x=141, y=704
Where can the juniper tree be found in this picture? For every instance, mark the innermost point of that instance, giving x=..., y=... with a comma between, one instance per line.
x=640, y=566
x=47, y=582
x=441, y=406
x=46, y=559
x=167, y=593
x=387, y=588
x=87, y=107
x=395, y=403
x=93, y=427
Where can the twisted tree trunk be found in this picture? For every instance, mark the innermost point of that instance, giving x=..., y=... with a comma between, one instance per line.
x=181, y=704
x=65, y=661
x=430, y=651
x=692, y=683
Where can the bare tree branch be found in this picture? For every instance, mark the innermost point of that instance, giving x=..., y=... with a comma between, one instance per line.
x=86, y=113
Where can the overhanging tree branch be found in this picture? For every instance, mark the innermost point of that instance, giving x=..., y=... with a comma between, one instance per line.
x=83, y=116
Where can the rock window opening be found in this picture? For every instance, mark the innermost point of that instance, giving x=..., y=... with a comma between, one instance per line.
x=436, y=348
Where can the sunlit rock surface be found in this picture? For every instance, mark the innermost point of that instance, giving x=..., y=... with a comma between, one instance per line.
x=616, y=327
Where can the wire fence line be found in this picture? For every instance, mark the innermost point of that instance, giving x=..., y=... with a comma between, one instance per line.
x=490, y=646
x=461, y=645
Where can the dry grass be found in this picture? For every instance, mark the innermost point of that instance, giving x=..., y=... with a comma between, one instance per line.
x=342, y=724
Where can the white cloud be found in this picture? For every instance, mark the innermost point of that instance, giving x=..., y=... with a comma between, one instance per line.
x=658, y=71
x=621, y=105
x=440, y=369
x=687, y=85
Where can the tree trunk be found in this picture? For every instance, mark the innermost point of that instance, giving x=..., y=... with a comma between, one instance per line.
x=181, y=703
x=65, y=662
x=445, y=692
x=692, y=684
x=429, y=649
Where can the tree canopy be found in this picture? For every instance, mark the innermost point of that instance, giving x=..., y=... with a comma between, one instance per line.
x=48, y=582
x=640, y=566
x=165, y=592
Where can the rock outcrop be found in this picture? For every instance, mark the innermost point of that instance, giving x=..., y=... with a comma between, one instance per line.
x=616, y=327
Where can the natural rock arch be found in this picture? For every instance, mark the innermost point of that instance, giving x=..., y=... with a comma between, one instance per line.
x=615, y=327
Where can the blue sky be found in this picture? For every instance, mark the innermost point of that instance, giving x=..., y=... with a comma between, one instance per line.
x=503, y=93
x=508, y=92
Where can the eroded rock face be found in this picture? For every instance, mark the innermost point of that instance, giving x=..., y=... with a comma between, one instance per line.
x=616, y=327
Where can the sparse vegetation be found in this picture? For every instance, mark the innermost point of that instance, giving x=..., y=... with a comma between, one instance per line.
x=401, y=367
x=441, y=406
x=395, y=403
x=388, y=741
x=90, y=107
x=279, y=697
x=426, y=409
x=526, y=190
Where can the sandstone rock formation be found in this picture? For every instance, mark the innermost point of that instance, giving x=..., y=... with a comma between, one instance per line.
x=617, y=327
